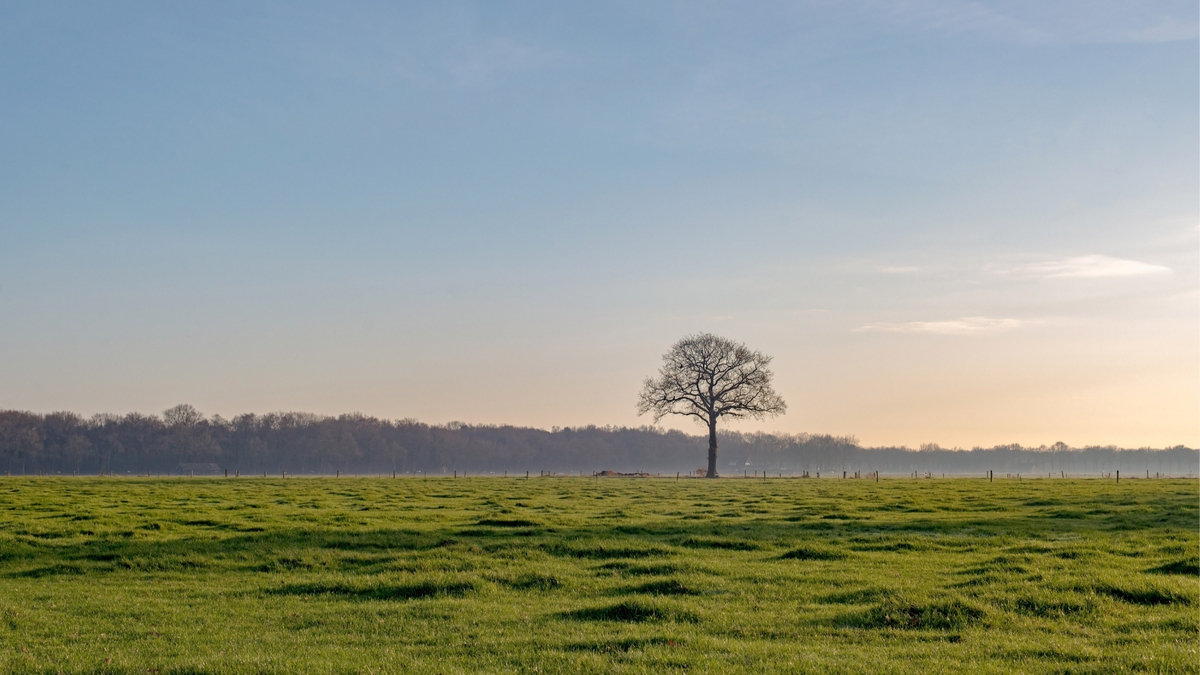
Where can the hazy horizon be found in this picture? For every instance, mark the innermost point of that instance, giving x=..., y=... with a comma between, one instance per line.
x=963, y=223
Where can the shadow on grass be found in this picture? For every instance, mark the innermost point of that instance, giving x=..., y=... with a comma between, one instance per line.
x=511, y=522
x=1142, y=596
x=425, y=589
x=726, y=544
x=664, y=587
x=57, y=569
x=628, y=644
x=607, y=551
x=860, y=596
x=533, y=582
x=1051, y=607
x=638, y=570
x=1189, y=567
x=897, y=612
x=814, y=553
x=631, y=611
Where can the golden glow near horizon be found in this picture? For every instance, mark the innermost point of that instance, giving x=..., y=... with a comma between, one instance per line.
x=1114, y=362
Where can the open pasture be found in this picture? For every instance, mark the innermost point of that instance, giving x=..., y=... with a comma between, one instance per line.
x=564, y=575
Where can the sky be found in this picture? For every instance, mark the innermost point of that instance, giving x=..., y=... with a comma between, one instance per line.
x=963, y=223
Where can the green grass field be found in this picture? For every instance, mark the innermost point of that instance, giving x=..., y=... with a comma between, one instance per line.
x=569, y=575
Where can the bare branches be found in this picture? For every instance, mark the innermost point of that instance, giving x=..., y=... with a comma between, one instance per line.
x=708, y=377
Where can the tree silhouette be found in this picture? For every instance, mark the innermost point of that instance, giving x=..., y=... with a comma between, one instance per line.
x=709, y=377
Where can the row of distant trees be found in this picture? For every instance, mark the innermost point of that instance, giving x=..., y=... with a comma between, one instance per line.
x=303, y=443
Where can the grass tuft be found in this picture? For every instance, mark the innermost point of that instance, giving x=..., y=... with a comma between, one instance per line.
x=1144, y=595
x=664, y=587
x=726, y=544
x=534, y=581
x=415, y=591
x=1189, y=567
x=814, y=553
x=947, y=614
x=511, y=522
x=631, y=611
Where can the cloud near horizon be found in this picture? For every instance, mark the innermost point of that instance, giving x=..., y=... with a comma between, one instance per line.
x=970, y=325
x=1093, y=267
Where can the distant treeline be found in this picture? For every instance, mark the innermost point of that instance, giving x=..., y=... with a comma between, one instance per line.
x=303, y=443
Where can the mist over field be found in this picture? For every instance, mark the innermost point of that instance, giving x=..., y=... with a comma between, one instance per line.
x=304, y=443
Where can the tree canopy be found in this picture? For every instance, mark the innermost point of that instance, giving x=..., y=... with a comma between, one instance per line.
x=709, y=377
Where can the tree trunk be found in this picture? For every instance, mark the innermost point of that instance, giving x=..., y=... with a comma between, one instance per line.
x=712, y=449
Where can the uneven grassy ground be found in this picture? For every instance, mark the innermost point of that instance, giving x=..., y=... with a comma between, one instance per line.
x=617, y=575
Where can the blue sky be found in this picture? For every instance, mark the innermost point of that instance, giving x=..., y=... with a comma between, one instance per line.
x=955, y=222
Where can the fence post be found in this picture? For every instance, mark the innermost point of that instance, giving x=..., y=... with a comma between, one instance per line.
x=1118, y=476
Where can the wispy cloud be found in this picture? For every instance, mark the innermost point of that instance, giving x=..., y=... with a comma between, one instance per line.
x=970, y=325
x=1092, y=267
x=1066, y=21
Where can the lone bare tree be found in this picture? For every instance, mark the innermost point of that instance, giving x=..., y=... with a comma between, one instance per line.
x=710, y=377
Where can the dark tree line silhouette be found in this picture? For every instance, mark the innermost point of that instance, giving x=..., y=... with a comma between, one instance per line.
x=303, y=443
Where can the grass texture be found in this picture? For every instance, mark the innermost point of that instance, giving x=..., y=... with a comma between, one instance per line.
x=558, y=575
